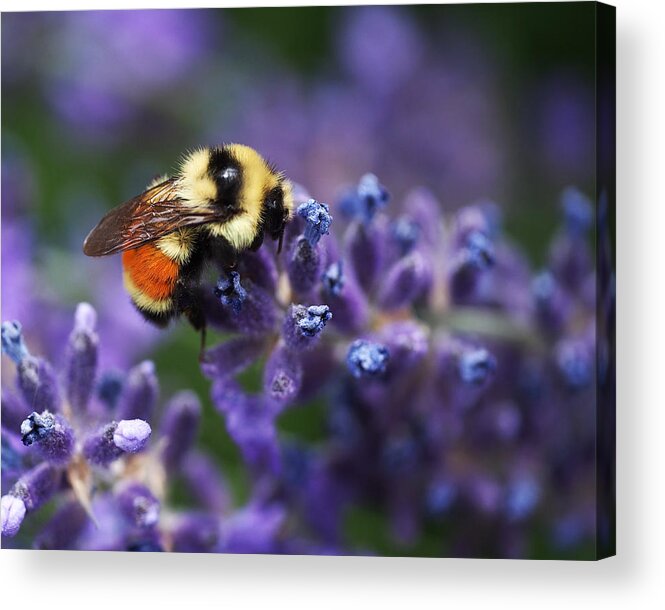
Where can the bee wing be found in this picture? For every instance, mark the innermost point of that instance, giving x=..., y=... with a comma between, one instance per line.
x=150, y=215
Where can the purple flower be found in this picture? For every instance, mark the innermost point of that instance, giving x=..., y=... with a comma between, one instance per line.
x=304, y=265
x=115, y=439
x=445, y=381
x=366, y=200
x=367, y=359
x=303, y=324
x=179, y=428
x=139, y=506
x=253, y=530
x=232, y=357
x=131, y=435
x=317, y=220
x=578, y=211
x=36, y=379
x=51, y=433
x=476, y=365
x=13, y=512
x=65, y=450
x=195, y=533
x=12, y=342
x=440, y=497
x=407, y=343
x=33, y=489
x=140, y=393
x=251, y=424
x=380, y=46
x=81, y=359
x=522, y=498
x=406, y=233
x=408, y=279
x=283, y=376
x=575, y=363
x=333, y=279
x=230, y=292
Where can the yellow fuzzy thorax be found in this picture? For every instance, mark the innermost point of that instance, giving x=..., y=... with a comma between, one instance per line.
x=198, y=189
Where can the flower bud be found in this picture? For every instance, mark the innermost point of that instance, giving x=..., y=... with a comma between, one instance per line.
x=304, y=265
x=367, y=359
x=303, y=324
x=366, y=251
x=250, y=310
x=140, y=393
x=52, y=434
x=115, y=439
x=12, y=511
x=32, y=490
x=195, y=533
x=179, y=428
x=406, y=281
x=365, y=200
x=282, y=376
x=230, y=292
x=347, y=303
x=131, y=435
x=317, y=220
x=63, y=528
x=12, y=342
x=38, y=384
x=81, y=358
x=139, y=506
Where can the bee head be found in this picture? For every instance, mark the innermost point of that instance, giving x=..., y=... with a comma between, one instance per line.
x=277, y=210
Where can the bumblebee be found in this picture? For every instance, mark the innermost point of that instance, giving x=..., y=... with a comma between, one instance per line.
x=220, y=203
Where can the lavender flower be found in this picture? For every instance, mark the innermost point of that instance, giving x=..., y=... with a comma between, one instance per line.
x=396, y=380
x=428, y=353
x=36, y=379
x=139, y=393
x=317, y=218
x=13, y=512
x=12, y=342
x=34, y=488
x=369, y=197
x=52, y=434
x=303, y=325
x=81, y=364
x=179, y=428
x=230, y=292
x=333, y=279
x=282, y=376
x=366, y=359
x=61, y=437
x=305, y=263
x=139, y=506
x=475, y=366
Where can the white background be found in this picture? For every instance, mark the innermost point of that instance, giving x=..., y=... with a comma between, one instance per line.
x=633, y=579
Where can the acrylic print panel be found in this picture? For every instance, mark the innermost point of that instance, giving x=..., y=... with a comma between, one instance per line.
x=426, y=368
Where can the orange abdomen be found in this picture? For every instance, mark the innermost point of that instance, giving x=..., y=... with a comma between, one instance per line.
x=152, y=276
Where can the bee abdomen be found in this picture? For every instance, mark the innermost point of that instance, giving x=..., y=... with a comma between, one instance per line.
x=150, y=278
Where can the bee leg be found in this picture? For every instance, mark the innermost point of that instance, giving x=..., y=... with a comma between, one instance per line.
x=196, y=317
x=224, y=254
x=202, y=349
